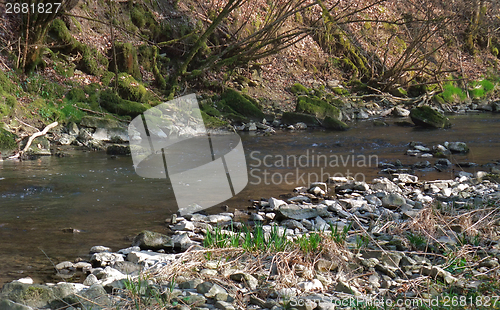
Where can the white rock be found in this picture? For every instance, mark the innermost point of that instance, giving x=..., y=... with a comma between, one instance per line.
x=184, y=226
x=149, y=257
x=26, y=280
x=314, y=285
x=276, y=203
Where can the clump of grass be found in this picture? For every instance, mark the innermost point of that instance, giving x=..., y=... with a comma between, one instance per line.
x=416, y=240
x=337, y=236
x=141, y=294
x=310, y=243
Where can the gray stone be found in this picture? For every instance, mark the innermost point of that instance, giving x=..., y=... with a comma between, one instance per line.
x=457, y=147
x=65, y=265
x=184, y=226
x=295, y=212
x=149, y=257
x=99, y=249
x=6, y=304
x=246, y=278
x=425, y=116
x=384, y=184
x=182, y=241
x=148, y=240
x=214, y=219
x=393, y=200
x=191, y=284
x=223, y=305
x=105, y=259
x=400, y=112
x=344, y=287
x=276, y=203
x=90, y=280
x=210, y=290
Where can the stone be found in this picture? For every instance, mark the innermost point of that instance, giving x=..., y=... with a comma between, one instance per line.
x=26, y=280
x=295, y=212
x=90, y=280
x=425, y=116
x=223, y=305
x=6, y=304
x=218, y=218
x=246, y=278
x=182, y=241
x=256, y=217
x=100, y=122
x=323, y=265
x=118, y=150
x=344, y=287
x=400, y=112
x=457, y=147
x=422, y=148
x=184, y=226
x=276, y=203
x=104, y=259
x=393, y=200
x=148, y=240
x=444, y=162
x=149, y=257
x=99, y=249
x=210, y=290
x=314, y=285
x=334, y=124
x=384, y=184
x=191, y=284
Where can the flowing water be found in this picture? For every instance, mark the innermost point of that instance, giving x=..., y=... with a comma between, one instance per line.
x=109, y=204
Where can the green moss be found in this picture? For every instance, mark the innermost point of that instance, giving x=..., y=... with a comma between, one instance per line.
x=130, y=89
x=340, y=91
x=235, y=102
x=114, y=104
x=70, y=113
x=77, y=95
x=137, y=17
x=10, y=101
x=91, y=61
x=7, y=140
x=107, y=77
x=212, y=122
x=299, y=89
x=126, y=58
x=334, y=124
x=316, y=107
x=452, y=93
x=210, y=110
x=6, y=84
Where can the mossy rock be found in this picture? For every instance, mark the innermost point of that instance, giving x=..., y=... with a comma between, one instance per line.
x=7, y=140
x=426, y=116
x=317, y=107
x=76, y=94
x=39, y=147
x=137, y=17
x=292, y=118
x=7, y=104
x=130, y=89
x=208, y=109
x=31, y=295
x=126, y=58
x=334, y=124
x=114, y=104
x=213, y=122
x=100, y=122
x=299, y=89
x=241, y=105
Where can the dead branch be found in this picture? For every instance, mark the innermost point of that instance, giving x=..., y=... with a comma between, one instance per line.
x=35, y=135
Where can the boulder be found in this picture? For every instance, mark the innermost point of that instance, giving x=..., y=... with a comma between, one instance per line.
x=457, y=147
x=149, y=240
x=334, y=124
x=291, y=118
x=295, y=212
x=425, y=116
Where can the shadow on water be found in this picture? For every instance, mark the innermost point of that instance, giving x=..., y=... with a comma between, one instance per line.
x=109, y=203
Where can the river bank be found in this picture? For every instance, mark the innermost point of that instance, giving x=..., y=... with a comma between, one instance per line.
x=326, y=246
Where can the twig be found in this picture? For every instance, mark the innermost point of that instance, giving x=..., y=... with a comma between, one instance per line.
x=25, y=124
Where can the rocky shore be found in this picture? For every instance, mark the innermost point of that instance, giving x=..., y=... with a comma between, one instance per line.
x=340, y=244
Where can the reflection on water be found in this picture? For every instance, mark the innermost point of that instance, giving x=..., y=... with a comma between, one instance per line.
x=109, y=203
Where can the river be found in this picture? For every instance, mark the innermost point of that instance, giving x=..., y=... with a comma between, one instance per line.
x=109, y=204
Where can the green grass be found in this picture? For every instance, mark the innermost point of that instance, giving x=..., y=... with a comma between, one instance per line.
x=416, y=240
